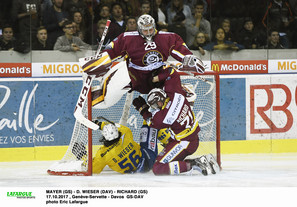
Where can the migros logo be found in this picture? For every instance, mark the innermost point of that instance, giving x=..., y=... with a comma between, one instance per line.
x=61, y=68
x=235, y=67
x=287, y=65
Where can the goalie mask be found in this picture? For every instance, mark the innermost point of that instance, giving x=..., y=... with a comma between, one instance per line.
x=146, y=26
x=110, y=132
x=156, y=95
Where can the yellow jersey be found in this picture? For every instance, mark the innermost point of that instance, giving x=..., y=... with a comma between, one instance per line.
x=122, y=156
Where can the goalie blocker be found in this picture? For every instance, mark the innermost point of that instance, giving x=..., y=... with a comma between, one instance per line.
x=97, y=65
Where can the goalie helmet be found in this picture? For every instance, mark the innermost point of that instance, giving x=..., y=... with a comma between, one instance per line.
x=110, y=132
x=146, y=26
x=156, y=95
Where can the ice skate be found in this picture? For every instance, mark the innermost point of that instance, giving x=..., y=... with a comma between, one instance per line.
x=196, y=164
x=215, y=168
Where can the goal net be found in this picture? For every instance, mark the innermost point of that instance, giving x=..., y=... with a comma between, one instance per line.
x=78, y=159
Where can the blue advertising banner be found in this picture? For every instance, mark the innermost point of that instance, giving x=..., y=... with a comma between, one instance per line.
x=37, y=113
x=233, y=109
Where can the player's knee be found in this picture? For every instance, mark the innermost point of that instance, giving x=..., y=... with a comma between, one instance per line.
x=155, y=168
x=159, y=169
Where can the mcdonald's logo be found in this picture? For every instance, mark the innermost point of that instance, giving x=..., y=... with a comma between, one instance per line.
x=215, y=67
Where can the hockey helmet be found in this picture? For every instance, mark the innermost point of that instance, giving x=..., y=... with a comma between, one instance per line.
x=110, y=132
x=156, y=95
x=146, y=26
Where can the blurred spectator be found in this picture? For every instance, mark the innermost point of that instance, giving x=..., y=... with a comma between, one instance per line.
x=198, y=24
x=102, y=11
x=231, y=8
x=199, y=43
x=221, y=44
x=81, y=29
x=273, y=40
x=248, y=36
x=130, y=7
x=145, y=8
x=192, y=3
x=72, y=6
x=40, y=42
x=91, y=4
x=100, y=29
x=7, y=40
x=293, y=5
x=160, y=18
x=131, y=24
x=178, y=14
x=118, y=24
x=26, y=16
x=5, y=13
x=278, y=16
x=226, y=25
x=46, y=4
x=68, y=42
x=53, y=20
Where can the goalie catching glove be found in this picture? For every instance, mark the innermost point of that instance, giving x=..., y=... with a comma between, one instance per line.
x=96, y=65
x=192, y=63
x=140, y=105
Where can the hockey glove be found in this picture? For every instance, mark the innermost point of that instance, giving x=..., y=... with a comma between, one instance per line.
x=140, y=105
x=192, y=63
x=79, y=150
x=96, y=65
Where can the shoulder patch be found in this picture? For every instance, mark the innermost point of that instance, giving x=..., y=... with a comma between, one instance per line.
x=163, y=32
x=133, y=33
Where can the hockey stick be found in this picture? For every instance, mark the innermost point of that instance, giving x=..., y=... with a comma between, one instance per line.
x=105, y=119
x=86, y=88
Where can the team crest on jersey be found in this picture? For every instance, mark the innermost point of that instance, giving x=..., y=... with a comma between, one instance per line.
x=152, y=57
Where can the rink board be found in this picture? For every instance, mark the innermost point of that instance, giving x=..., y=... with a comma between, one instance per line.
x=258, y=115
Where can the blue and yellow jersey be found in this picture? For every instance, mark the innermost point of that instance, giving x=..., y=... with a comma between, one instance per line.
x=122, y=157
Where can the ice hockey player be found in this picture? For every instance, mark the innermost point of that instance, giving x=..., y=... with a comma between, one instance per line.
x=173, y=111
x=120, y=152
x=145, y=52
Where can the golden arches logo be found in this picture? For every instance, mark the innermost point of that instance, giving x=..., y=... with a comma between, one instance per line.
x=215, y=67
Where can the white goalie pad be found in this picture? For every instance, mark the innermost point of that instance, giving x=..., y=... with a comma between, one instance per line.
x=72, y=166
x=113, y=84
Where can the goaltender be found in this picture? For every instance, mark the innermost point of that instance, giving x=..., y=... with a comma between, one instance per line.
x=121, y=153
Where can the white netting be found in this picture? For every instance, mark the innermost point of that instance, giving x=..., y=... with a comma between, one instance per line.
x=204, y=108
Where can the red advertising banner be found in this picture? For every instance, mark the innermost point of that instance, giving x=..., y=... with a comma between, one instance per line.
x=15, y=70
x=240, y=66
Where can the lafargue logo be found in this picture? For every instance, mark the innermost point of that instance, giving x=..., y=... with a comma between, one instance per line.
x=151, y=57
x=21, y=194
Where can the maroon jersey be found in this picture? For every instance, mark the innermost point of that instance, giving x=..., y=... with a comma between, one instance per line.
x=176, y=115
x=143, y=57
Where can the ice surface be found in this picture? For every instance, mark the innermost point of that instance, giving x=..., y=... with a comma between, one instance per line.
x=238, y=170
x=250, y=180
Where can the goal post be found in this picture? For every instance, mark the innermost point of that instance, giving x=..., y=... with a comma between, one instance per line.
x=206, y=108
